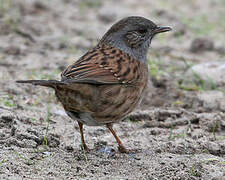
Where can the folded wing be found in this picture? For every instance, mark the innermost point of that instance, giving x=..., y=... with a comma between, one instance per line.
x=104, y=65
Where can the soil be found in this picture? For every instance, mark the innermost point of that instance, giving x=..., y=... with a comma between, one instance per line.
x=178, y=129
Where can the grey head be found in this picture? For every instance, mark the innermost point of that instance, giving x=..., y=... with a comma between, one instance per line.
x=133, y=35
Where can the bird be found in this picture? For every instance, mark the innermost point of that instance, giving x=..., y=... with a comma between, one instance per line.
x=106, y=84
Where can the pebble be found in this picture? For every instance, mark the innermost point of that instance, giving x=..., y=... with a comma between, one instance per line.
x=201, y=44
x=213, y=148
x=12, y=50
x=210, y=72
x=212, y=100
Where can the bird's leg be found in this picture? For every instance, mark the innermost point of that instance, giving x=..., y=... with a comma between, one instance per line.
x=121, y=148
x=84, y=146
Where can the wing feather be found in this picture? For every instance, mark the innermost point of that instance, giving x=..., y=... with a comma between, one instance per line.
x=104, y=65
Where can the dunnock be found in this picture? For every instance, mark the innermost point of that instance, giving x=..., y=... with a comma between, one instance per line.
x=107, y=83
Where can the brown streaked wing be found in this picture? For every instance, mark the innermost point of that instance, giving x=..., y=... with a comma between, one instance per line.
x=104, y=65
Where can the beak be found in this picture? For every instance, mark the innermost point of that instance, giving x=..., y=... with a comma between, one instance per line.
x=161, y=29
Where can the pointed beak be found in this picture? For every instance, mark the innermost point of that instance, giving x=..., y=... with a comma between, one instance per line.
x=161, y=29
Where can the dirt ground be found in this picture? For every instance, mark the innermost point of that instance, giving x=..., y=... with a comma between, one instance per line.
x=179, y=127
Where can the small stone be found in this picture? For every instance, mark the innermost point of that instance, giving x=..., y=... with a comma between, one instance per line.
x=107, y=150
x=39, y=5
x=211, y=100
x=47, y=153
x=213, y=148
x=12, y=50
x=7, y=117
x=211, y=72
x=69, y=148
x=201, y=44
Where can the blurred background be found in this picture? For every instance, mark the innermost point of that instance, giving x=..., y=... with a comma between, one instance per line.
x=40, y=38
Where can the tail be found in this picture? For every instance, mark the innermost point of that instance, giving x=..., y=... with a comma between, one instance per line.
x=47, y=83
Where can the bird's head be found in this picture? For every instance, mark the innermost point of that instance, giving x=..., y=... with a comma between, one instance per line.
x=133, y=35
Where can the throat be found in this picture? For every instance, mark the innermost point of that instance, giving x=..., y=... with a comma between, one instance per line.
x=139, y=53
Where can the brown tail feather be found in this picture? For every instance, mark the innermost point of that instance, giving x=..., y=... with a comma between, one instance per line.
x=47, y=83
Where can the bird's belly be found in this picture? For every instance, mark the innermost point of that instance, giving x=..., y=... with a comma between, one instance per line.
x=116, y=102
x=96, y=106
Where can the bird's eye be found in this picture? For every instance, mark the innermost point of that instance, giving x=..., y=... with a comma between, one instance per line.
x=142, y=31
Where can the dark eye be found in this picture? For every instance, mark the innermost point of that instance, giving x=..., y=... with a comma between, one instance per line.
x=142, y=31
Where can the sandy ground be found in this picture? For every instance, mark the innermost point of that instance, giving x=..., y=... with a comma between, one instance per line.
x=179, y=128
